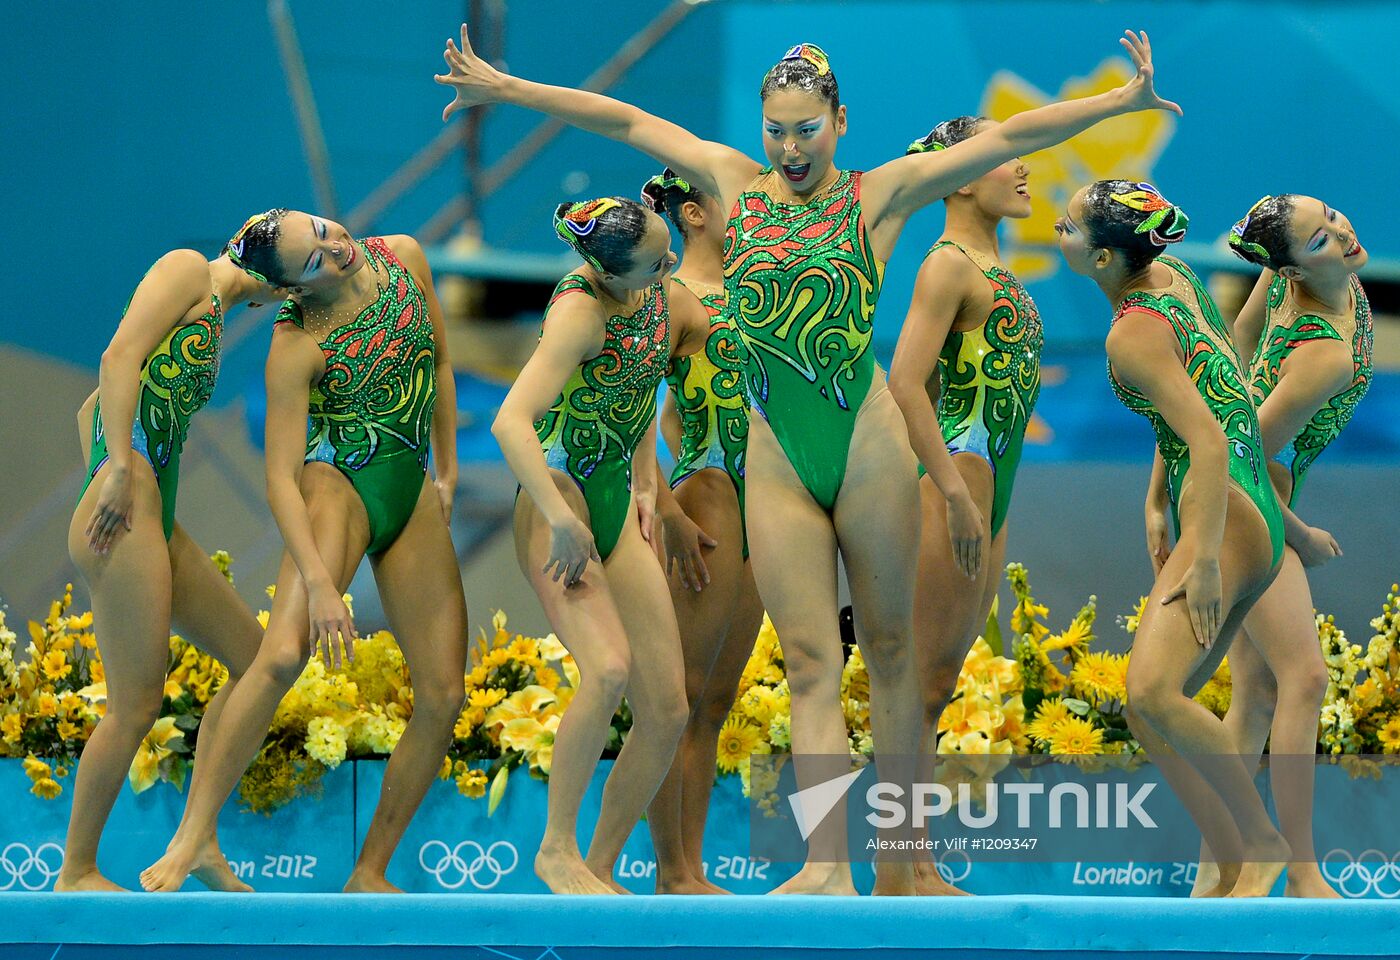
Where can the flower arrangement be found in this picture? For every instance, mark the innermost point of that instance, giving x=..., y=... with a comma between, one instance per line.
x=1054, y=695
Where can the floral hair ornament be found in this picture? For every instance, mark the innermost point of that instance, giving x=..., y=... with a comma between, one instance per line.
x=668, y=179
x=926, y=144
x=579, y=220
x=813, y=54
x=1237, y=241
x=234, y=248
x=1165, y=222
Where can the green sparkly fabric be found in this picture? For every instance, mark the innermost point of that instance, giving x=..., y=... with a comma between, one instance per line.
x=1215, y=368
x=801, y=283
x=1287, y=326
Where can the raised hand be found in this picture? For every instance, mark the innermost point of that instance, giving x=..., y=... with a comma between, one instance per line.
x=1139, y=90
x=474, y=80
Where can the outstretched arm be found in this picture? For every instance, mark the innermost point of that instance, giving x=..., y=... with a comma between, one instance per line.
x=938, y=296
x=711, y=167
x=1144, y=352
x=177, y=283
x=904, y=185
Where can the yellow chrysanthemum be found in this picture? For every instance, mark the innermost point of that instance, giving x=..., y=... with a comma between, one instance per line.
x=1075, y=737
x=1389, y=735
x=12, y=727
x=738, y=740
x=56, y=665
x=1100, y=676
x=1077, y=634
x=472, y=783
x=1048, y=716
x=1130, y=623
x=46, y=788
x=36, y=769
x=759, y=704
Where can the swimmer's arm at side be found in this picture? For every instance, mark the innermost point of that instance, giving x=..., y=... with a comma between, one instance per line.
x=177, y=284
x=573, y=332
x=909, y=183
x=1143, y=351
x=711, y=167
x=174, y=287
x=940, y=291
x=294, y=362
x=444, y=430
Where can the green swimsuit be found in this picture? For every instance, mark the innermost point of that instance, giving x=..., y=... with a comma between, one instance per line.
x=709, y=390
x=592, y=430
x=177, y=380
x=1215, y=368
x=989, y=379
x=371, y=413
x=1286, y=327
x=801, y=281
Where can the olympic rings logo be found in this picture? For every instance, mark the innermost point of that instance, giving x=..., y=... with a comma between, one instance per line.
x=957, y=871
x=31, y=869
x=1370, y=873
x=454, y=866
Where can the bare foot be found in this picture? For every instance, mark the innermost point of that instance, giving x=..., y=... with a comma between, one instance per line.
x=688, y=886
x=928, y=882
x=1215, y=880
x=89, y=881
x=826, y=879
x=1207, y=878
x=366, y=881
x=1306, y=880
x=168, y=873
x=211, y=869
x=567, y=873
x=1258, y=875
x=894, y=879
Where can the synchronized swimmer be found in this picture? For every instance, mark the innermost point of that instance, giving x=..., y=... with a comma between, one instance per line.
x=792, y=448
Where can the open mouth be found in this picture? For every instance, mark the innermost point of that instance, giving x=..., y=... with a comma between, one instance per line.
x=796, y=172
x=1355, y=247
x=350, y=256
x=1023, y=191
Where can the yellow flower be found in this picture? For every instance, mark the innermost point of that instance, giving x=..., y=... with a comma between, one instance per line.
x=1389, y=735
x=1077, y=634
x=464, y=726
x=1130, y=624
x=760, y=703
x=68, y=730
x=1101, y=676
x=326, y=741
x=532, y=738
x=472, y=784
x=46, y=789
x=153, y=749
x=56, y=665
x=12, y=727
x=738, y=740
x=36, y=769
x=522, y=704
x=48, y=705
x=263, y=617
x=1048, y=716
x=173, y=689
x=1074, y=736
x=551, y=649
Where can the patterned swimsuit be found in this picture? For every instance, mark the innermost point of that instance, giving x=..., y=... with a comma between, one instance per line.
x=801, y=281
x=708, y=388
x=989, y=380
x=1287, y=327
x=371, y=413
x=592, y=430
x=1215, y=368
x=177, y=380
